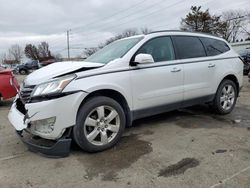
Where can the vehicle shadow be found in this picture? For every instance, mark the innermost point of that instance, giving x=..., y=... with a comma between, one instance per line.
x=200, y=116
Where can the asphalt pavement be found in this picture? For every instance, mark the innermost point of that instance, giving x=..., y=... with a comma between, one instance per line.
x=185, y=148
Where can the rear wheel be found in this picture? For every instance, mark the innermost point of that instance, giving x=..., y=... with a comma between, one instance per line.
x=100, y=124
x=226, y=97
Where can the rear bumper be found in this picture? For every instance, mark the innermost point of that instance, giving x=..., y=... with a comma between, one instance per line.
x=48, y=148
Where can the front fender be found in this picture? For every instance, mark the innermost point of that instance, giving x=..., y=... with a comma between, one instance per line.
x=119, y=83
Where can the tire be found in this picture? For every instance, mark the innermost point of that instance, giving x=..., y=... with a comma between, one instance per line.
x=23, y=71
x=225, y=98
x=96, y=132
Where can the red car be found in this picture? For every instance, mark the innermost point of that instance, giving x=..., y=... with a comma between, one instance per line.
x=8, y=84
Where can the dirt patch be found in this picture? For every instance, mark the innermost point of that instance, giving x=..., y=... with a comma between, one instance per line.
x=59, y=164
x=200, y=116
x=203, y=117
x=108, y=163
x=148, y=132
x=179, y=168
x=200, y=121
x=29, y=183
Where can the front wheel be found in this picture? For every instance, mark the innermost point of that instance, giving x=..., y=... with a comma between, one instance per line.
x=225, y=98
x=100, y=124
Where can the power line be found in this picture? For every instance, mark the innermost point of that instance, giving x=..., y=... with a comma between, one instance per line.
x=111, y=16
x=131, y=20
x=244, y=29
x=122, y=18
x=239, y=17
x=127, y=16
x=143, y=16
x=117, y=13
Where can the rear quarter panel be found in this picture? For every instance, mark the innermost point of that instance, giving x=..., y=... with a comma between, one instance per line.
x=230, y=64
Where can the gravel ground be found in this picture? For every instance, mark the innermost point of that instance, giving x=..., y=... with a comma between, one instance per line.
x=186, y=148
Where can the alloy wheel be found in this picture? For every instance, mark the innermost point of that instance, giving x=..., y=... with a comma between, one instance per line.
x=102, y=125
x=227, y=97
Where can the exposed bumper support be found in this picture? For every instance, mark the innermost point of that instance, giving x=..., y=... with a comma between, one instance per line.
x=51, y=149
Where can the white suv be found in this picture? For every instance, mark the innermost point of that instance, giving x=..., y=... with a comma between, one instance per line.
x=93, y=101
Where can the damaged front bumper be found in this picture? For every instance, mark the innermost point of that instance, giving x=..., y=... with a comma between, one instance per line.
x=29, y=121
x=49, y=148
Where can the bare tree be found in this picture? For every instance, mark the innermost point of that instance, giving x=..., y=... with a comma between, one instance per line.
x=235, y=21
x=3, y=58
x=31, y=52
x=15, y=53
x=145, y=30
x=124, y=34
x=43, y=50
x=129, y=33
x=90, y=51
x=41, y=53
x=202, y=21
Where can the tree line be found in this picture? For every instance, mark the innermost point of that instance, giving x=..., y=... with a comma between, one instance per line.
x=40, y=52
x=229, y=25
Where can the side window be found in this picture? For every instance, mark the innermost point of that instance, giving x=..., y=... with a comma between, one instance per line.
x=188, y=47
x=214, y=47
x=160, y=48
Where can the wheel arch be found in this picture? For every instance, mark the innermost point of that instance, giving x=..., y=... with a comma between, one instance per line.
x=115, y=95
x=234, y=79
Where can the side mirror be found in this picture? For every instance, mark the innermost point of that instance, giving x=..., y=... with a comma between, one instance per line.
x=144, y=59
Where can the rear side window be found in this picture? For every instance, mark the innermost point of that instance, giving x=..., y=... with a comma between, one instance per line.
x=160, y=48
x=188, y=47
x=214, y=47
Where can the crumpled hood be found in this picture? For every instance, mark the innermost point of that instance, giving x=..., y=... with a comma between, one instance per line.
x=57, y=69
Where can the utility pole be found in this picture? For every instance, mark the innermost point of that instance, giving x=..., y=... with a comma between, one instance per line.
x=68, y=43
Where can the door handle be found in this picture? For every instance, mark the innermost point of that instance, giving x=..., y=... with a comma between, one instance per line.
x=175, y=69
x=211, y=65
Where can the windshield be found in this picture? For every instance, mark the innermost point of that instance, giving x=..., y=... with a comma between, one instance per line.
x=113, y=51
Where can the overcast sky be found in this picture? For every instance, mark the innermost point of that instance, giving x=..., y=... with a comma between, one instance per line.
x=92, y=21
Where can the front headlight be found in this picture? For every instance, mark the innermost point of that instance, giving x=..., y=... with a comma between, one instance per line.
x=52, y=87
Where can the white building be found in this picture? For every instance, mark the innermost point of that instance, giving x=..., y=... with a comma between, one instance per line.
x=239, y=46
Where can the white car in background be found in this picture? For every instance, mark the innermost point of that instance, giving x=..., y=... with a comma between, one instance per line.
x=93, y=101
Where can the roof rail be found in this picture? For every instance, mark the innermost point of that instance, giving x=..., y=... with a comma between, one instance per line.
x=183, y=32
x=165, y=31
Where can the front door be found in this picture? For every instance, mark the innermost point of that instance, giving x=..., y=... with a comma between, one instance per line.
x=157, y=87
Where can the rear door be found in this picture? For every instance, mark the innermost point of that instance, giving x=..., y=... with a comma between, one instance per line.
x=157, y=87
x=198, y=72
